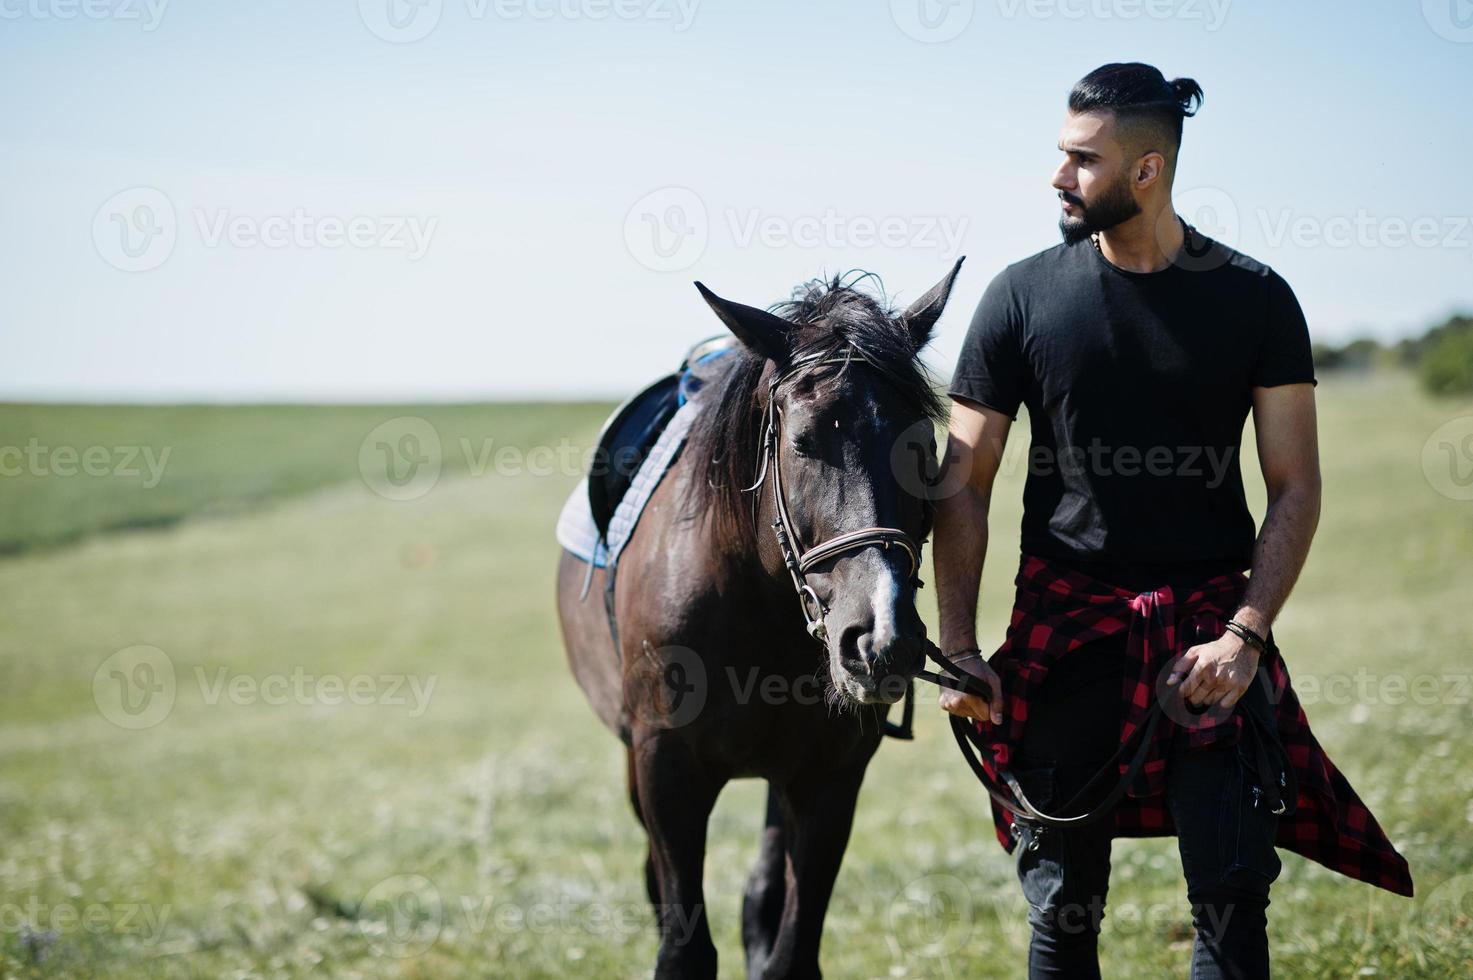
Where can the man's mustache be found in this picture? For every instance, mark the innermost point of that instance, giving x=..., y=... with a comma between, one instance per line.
x=1078, y=202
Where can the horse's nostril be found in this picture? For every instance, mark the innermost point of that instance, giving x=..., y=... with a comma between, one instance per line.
x=902, y=655
x=850, y=640
x=879, y=654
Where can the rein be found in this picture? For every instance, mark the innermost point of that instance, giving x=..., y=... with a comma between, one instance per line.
x=1006, y=791
x=1279, y=791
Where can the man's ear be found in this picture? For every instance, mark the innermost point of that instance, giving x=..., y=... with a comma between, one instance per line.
x=762, y=332
x=1148, y=170
x=922, y=315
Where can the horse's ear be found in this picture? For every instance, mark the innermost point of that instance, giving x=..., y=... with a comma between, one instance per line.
x=761, y=331
x=922, y=315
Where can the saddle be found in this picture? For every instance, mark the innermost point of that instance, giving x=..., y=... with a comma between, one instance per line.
x=624, y=443
x=629, y=435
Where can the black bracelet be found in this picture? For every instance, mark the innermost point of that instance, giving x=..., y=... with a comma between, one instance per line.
x=963, y=652
x=1248, y=636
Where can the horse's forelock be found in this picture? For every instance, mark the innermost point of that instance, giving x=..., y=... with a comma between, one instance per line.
x=828, y=316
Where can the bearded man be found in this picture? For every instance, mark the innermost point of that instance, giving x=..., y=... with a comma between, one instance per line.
x=1139, y=346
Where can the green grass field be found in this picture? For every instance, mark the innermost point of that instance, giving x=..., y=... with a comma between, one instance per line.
x=359, y=753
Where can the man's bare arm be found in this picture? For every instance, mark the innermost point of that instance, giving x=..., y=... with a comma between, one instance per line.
x=973, y=456
x=1288, y=454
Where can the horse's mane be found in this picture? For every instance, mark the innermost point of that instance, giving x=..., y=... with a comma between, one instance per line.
x=828, y=316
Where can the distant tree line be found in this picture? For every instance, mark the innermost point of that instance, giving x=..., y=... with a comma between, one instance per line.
x=1442, y=357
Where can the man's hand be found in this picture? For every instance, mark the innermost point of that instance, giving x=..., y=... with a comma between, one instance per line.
x=974, y=447
x=1216, y=672
x=970, y=705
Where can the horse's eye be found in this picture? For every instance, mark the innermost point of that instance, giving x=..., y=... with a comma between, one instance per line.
x=804, y=443
x=818, y=436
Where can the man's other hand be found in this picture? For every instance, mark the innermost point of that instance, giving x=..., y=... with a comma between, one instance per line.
x=970, y=705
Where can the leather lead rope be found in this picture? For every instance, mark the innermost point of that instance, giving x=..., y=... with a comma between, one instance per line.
x=1008, y=793
x=1277, y=785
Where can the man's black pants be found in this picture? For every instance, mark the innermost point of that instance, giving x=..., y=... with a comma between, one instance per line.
x=1225, y=836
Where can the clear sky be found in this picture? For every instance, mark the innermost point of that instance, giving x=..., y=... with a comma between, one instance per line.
x=405, y=199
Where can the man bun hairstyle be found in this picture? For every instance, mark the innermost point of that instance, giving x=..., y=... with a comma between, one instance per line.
x=1138, y=94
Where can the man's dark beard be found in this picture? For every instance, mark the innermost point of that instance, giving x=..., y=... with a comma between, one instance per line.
x=1115, y=205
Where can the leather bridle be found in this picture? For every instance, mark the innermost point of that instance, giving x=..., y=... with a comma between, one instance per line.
x=798, y=560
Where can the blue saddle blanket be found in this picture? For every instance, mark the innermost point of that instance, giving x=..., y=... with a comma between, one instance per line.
x=577, y=531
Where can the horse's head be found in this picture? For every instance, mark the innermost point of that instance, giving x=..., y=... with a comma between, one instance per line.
x=834, y=377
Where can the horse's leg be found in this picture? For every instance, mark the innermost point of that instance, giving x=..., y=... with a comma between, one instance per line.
x=767, y=886
x=676, y=794
x=651, y=883
x=818, y=821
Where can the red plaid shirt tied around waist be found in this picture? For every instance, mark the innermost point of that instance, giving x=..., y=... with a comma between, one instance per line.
x=1060, y=609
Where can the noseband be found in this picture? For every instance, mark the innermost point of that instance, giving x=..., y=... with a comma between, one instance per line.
x=798, y=560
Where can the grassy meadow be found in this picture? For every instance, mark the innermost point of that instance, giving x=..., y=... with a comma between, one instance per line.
x=258, y=718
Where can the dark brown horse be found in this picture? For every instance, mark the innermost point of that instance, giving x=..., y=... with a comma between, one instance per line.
x=722, y=671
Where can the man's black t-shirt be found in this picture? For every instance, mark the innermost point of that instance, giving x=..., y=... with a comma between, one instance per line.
x=1137, y=387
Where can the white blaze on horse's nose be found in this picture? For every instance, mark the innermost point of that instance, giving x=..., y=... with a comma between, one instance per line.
x=885, y=599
